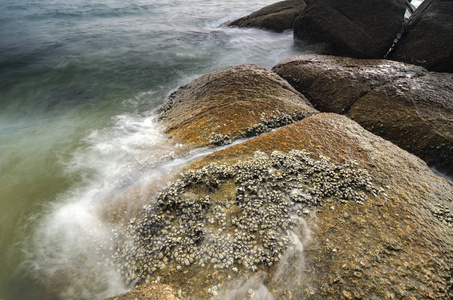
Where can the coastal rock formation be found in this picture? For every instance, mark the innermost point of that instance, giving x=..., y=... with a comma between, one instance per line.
x=361, y=29
x=333, y=83
x=428, y=39
x=232, y=103
x=277, y=17
x=153, y=291
x=414, y=113
x=322, y=202
x=403, y=103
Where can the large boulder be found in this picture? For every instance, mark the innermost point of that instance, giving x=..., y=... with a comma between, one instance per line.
x=403, y=103
x=333, y=84
x=371, y=222
x=277, y=17
x=232, y=103
x=414, y=113
x=428, y=39
x=361, y=28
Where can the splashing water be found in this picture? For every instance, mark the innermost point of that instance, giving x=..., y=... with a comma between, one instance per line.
x=77, y=83
x=291, y=266
x=71, y=240
x=78, y=137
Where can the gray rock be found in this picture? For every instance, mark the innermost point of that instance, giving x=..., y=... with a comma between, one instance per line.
x=403, y=103
x=361, y=28
x=428, y=39
x=276, y=17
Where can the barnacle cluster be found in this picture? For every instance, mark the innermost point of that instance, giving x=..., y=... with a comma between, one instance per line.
x=234, y=216
x=266, y=124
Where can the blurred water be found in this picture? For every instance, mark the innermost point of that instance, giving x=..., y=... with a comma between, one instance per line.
x=79, y=81
x=78, y=84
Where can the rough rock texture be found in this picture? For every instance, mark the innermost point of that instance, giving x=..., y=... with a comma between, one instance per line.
x=396, y=245
x=333, y=83
x=414, y=113
x=232, y=103
x=428, y=39
x=361, y=28
x=277, y=17
x=242, y=217
x=154, y=291
x=403, y=103
x=370, y=222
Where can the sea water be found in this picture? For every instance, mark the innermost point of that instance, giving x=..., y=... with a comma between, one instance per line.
x=79, y=84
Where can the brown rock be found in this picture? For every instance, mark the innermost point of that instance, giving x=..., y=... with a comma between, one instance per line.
x=396, y=245
x=333, y=84
x=154, y=291
x=276, y=17
x=198, y=234
x=428, y=38
x=402, y=103
x=414, y=113
x=232, y=103
x=361, y=29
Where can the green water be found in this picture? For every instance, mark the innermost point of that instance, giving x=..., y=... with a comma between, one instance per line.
x=78, y=85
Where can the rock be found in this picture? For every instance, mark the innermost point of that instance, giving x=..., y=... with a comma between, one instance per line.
x=394, y=245
x=333, y=84
x=403, y=103
x=414, y=113
x=361, y=29
x=232, y=103
x=428, y=39
x=255, y=209
x=277, y=17
x=154, y=291
x=380, y=221
x=315, y=209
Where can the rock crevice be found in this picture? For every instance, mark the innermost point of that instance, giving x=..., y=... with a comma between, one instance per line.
x=320, y=201
x=403, y=103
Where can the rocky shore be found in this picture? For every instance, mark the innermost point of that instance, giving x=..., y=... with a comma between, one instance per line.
x=325, y=191
x=402, y=103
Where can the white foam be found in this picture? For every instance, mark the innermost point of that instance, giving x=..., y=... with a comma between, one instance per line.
x=72, y=237
x=71, y=241
x=257, y=46
x=289, y=271
x=292, y=263
x=441, y=174
x=253, y=288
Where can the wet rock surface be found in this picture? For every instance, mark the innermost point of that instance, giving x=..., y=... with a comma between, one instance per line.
x=428, y=38
x=277, y=17
x=416, y=114
x=153, y=291
x=333, y=84
x=371, y=222
x=361, y=29
x=403, y=103
x=235, y=216
x=396, y=245
x=231, y=103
